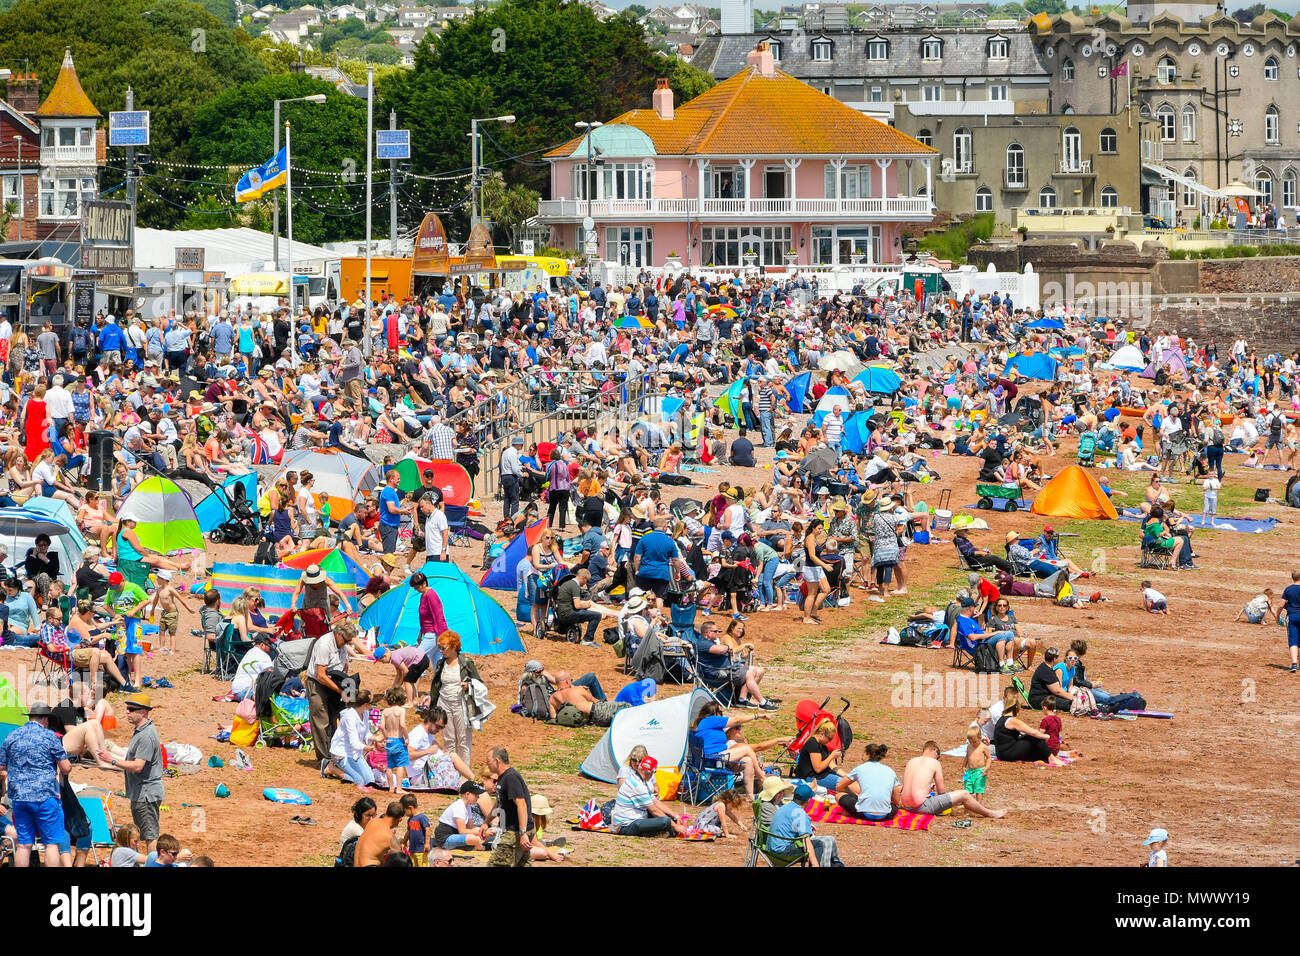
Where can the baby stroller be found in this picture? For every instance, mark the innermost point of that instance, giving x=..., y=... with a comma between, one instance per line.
x=807, y=715
x=282, y=718
x=1088, y=449
x=244, y=526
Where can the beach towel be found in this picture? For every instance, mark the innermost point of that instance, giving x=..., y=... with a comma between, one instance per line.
x=576, y=824
x=1159, y=714
x=1215, y=522
x=820, y=812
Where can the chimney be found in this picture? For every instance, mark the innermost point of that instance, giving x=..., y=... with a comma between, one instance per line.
x=761, y=58
x=663, y=99
x=23, y=92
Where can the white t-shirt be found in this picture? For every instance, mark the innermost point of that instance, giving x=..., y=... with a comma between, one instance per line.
x=458, y=810
x=306, y=507
x=1158, y=858
x=434, y=526
x=1152, y=595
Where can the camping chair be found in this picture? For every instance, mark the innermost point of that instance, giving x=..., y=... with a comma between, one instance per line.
x=1156, y=557
x=758, y=851
x=228, y=651
x=703, y=779
x=712, y=673
x=55, y=666
x=458, y=525
x=963, y=652
x=210, y=646
x=100, y=815
x=284, y=726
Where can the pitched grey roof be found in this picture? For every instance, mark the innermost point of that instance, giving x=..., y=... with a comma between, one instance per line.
x=964, y=54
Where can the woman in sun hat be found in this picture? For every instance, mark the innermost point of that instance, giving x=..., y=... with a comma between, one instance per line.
x=315, y=587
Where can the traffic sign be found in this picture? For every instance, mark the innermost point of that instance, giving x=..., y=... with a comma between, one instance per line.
x=526, y=246
x=393, y=144
x=128, y=128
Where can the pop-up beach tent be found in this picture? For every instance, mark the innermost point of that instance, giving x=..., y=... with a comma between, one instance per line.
x=836, y=395
x=500, y=576
x=165, y=518
x=798, y=388
x=1032, y=365
x=661, y=726
x=483, y=624
x=1073, y=494
x=1129, y=358
x=1172, y=360
x=69, y=546
x=341, y=479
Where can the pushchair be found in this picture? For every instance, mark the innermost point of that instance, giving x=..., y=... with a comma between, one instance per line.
x=807, y=715
x=244, y=526
x=282, y=718
x=1088, y=449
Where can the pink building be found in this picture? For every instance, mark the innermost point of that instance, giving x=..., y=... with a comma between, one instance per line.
x=761, y=165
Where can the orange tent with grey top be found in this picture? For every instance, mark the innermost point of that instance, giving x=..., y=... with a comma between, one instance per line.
x=1073, y=494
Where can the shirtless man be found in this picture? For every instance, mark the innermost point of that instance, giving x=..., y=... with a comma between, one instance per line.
x=923, y=775
x=86, y=738
x=381, y=836
x=167, y=598
x=598, y=712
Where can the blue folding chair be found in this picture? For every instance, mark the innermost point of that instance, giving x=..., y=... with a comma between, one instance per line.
x=703, y=779
x=101, y=823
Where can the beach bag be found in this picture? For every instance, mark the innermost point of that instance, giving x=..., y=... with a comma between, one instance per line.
x=243, y=733
x=570, y=716
x=668, y=780
x=985, y=659
x=1083, y=703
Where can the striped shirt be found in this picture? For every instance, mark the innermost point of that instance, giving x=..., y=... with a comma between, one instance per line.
x=766, y=399
x=834, y=428
x=633, y=800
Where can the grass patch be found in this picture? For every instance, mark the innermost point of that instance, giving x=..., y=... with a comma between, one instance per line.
x=1238, y=252
x=954, y=242
x=564, y=753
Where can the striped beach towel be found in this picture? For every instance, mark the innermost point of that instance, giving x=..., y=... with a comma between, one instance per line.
x=820, y=812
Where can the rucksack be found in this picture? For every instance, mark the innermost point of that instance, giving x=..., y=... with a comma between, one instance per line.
x=534, y=695
x=1118, y=702
x=985, y=659
x=347, y=852
x=570, y=716
x=80, y=341
x=1275, y=425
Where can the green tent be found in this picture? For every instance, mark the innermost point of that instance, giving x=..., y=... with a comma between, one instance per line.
x=165, y=519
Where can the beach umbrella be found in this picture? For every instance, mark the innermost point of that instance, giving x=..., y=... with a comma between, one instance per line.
x=333, y=561
x=634, y=322
x=450, y=477
x=483, y=624
x=841, y=361
x=798, y=388
x=723, y=312
x=879, y=378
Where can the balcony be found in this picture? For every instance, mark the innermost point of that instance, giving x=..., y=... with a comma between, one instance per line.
x=67, y=155
x=1074, y=167
x=1015, y=180
x=621, y=210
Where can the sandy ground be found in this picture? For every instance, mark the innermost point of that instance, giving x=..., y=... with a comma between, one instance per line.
x=1220, y=777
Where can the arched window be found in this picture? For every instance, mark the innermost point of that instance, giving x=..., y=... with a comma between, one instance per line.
x=1108, y=142
x=1047, y=198
x=925, y=137
x=1189, y=123
x=1270, y=68
x=1110, y=198
x=984, y=199
x=1165, y=116
x=1067, y=70
x=1071, y=150
x=963, y=160
x=1015, y=171
x=1189, y=194
x=1145, y=110
x=1272, y=125
x=1166, y=70
x=1264, y=184
x=1289, y=188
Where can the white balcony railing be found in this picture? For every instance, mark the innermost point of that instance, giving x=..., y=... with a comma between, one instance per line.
x=64, y=155
x=1075, y=166
x=898, y=207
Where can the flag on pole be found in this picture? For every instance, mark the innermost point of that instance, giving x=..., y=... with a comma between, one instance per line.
x=262, y=179
x=1121, y=70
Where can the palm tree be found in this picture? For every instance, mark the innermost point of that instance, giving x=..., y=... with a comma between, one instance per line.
x=8, y=213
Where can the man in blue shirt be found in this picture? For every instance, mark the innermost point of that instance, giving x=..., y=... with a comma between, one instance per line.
x=111, y=343
x=1291, y=598
x=792, y=825
x=651, y=560
x=31, y=759
x=391, y=511
x=223, y=339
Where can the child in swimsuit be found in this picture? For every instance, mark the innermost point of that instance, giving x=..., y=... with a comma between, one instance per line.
x=975, y=766
x=394, y=727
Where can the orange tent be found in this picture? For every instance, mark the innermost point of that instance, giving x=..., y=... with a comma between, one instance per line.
x=1073, y=494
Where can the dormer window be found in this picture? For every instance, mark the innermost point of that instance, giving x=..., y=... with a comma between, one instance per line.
x=823, y=50
x=775, y=47
x=931, y=48
x=878, y=49
x=998, y=48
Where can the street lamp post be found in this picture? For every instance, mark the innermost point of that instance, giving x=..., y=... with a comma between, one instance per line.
x=275, y=196
x=590, y=178
x=22, y=191
x=473, y=155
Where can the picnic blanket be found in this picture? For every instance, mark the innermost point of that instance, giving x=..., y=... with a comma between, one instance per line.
x=820, y=812
x=576, y=824
x=1271, y=467
x=1159, y=714
x=1214, y=523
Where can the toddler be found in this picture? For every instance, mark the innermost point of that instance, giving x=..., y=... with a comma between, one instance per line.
x=1157, y=841
x=975, y=766
x=1153, y=600
x=1051, y=725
